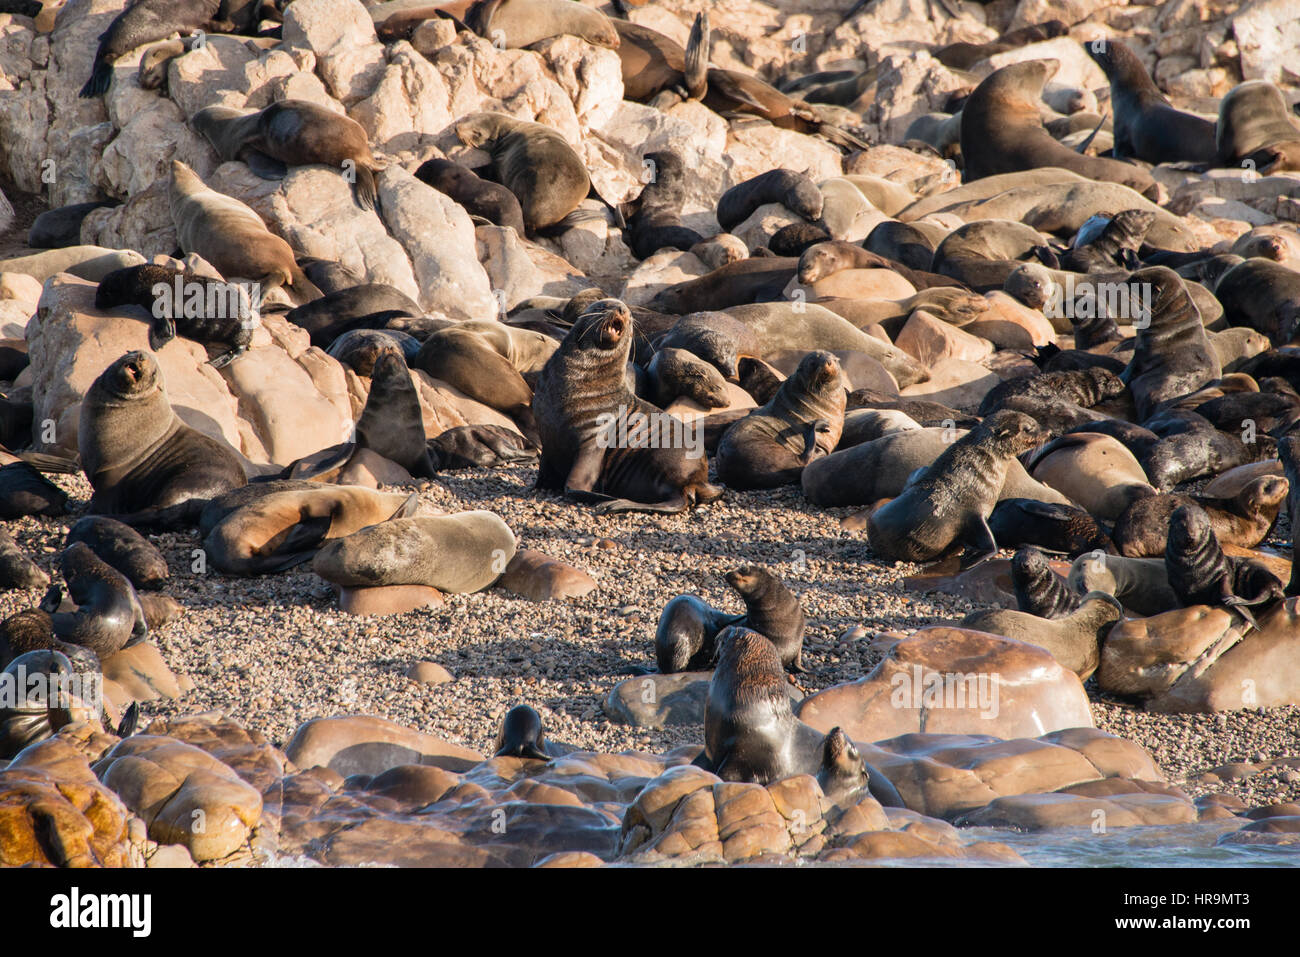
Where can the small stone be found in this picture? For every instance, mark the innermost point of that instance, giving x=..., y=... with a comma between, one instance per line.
x=429, y=673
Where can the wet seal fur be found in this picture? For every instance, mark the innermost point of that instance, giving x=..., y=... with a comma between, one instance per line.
x=951, y=500
x=108, y=615
x=1245, y=519
x=522, y=735
x=686, y=633
x=1200, y=574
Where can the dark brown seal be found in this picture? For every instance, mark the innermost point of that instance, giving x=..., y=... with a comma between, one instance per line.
x=140, y=23
x=124, y=549
x=686, y=633
x=772, y=610
x=951, y=500
x=108, y=615
x=1039, y=590
x=480, y=197
x=1200, y=574
x=17, y=570
x=1255, y=130
x=1057, y=528
x=1173, y=355
x=803, y=421
x=1245, y=519
x=598, y=439
x=521, y=735
x=392, y=423
x=655, y=219
x=795, y=191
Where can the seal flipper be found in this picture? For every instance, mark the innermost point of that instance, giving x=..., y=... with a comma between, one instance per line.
x=696, y=72
x=882, y=789
x=981, y=537
x=161, y=331
x=224, y=359
x=265, y=167
x=585, y=472
x=364, y=190
x=130, y=721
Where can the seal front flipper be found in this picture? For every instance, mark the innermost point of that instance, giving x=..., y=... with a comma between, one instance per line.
x=225, y=358
x=161, y=331
x=882, y=789
x=671, y=506
x=265, y=167
x=980, y=536
x=696, y=74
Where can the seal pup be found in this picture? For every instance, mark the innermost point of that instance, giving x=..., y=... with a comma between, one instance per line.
x=1073, y=639
x=521, y=23
x=122, y=548
x=28, y=720
x=293, y=133
x=1141, y=584
x=1172, y=356
x=795, y=191
x=479, y=197
x=108, y=613
x=1200, y=574
x=531, y=160
x=1039, y=590
x=144, y=22
x=1146, y=124
x=581, y=404
x=803, y=421
x=479, y=446
x=1255, y=131
x=1049, y=525
x=182, y=302
x=1001, y=132
x=1245, y=519
x=751, y=733
x=16, y=569
x=522, y=735
x=951, y=500
x=1085, y=388
x=231, y=236
x=656, y=219
x=684, y=637
x=1115, y=247
x=674, y=373
x=140, y=458
x=25, y=491
x=773, y=611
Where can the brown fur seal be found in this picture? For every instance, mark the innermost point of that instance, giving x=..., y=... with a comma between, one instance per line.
x=760, y=279
x=479, y=197
x=479, y=446
x=368, y=305
x=653, y=63
x=533, y=161
x=1039, y=590
x=1146, y=124
x=1173, y=355
x=684, y=637
x=1262, y=295
x=521, y=23
x=951, y=501
x=231, y=236
x=1244, y=520
x=1255, y=130
x=124, y=549
x=206, y=310
x=795, y=191
x=771, y=445
x=140, y=458
x=1057, y=528
x=25, y=491
x=392, y=423
x=772, y=610
x=1085, y=388
x=594, y=430
x=676, y=372
x=16, y=569
x=1288, y=452
x=1200, y=574
x=1096, y=471
x=1141, y=584
x=521, y=735
x=284, y=529
x=143, y=22
x=826, y=259
x=108, y=614
x=1074, y=639
x=26, y=720
x=292, y=133
x=751, y=733
x=655, y=222
x=1001, y=132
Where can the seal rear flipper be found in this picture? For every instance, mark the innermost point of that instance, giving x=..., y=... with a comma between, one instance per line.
x=980, y=537
x=1242, y=607
x=702, y=761
x=100, y=78
x=265, y=167
x=365, y=190
x=673, y=506
x=696, y=72
x=130, y=721
x=840, y=137
x=224, y=359
x=168, y=519
x=161, y=331
x=308, y=535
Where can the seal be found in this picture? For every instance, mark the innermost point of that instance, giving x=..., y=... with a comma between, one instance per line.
x=531, y=160
x=360, y=349
x=122, y=548
x=773, y=611
x=140, y=458
x=655, y=64
x=803, y=421
x=60, y=228
x=656, y=221
x=1002, y=132
x=1039, y=590
x=1085, y=388
x=825, y=259
x=581, y=404
x=1288, y=453
x=752, y=735
x=1141, y=584
x=369, y=305
x=16, y=569
x=1262, y=295
x=182, y=302
x=479, y=197
x=795, y=191
x=902, y=242
x=27, y=721
x=1073, y=639
x=676, y=372
x=1200, y=574
x=1255, y=131
x=1244, y=519
x=716, y=337
x=521, y=735
x=25, y=491
x=144, y=22
x=1057, y=528
x=392, y=423
x=1146, y=124
x=982, y=254
x=1115, y=247
x=282, y=530
x=479, y=446
x=1173, y=355
x=108, y=615
x=1096, y=471
x=292, y=133
x=760, y=279
x=951, y=501
x=521, y=23
x=231, y=236
x=684, y=637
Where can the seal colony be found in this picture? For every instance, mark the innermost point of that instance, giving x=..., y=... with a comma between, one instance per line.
x=366, y=342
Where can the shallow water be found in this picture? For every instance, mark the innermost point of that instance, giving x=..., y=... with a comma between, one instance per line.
x=1180, y=845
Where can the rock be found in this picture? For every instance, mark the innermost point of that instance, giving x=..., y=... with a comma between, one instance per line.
x=184, y=795
x=429, y=673
x=1266, y=32
x=956, y=681
x=538, y=577
x=388, y=599
x=369, y=745
x=1036, y=812
x=349, y=57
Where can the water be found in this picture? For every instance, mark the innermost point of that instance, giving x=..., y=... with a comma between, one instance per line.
x=1179, y=845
